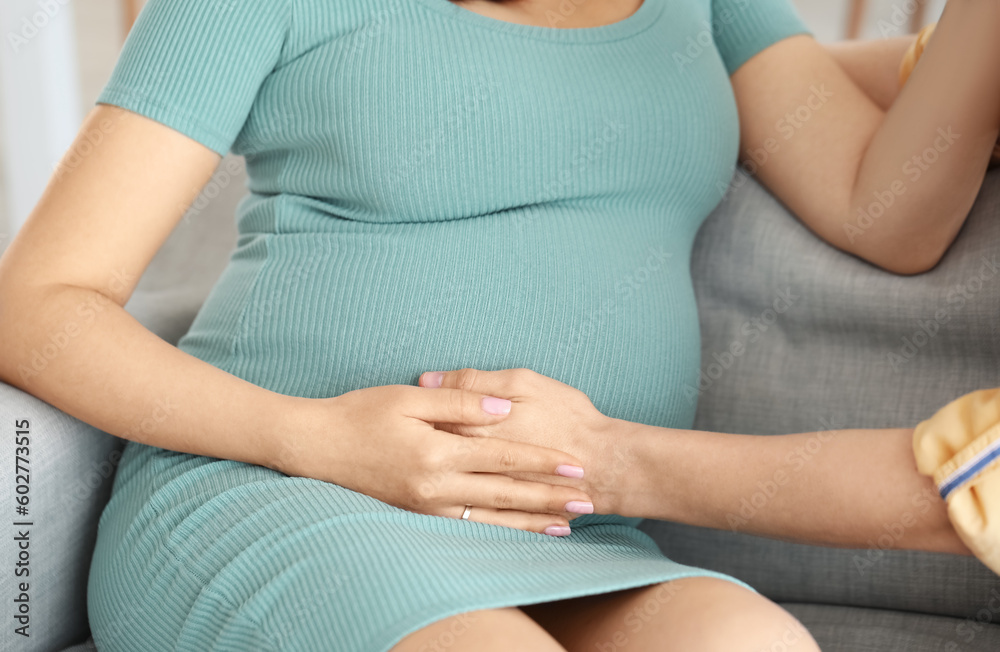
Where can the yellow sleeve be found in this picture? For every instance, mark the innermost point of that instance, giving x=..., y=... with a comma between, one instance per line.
x=959, y=447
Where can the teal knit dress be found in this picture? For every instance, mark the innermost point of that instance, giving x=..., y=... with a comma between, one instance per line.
x=429, y=189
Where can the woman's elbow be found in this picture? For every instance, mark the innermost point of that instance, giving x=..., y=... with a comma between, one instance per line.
x=906, y=256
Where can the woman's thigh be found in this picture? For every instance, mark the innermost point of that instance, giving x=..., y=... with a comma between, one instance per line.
x=488, y=630
x=694, y=613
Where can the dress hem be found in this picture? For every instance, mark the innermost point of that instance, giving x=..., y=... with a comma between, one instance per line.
x=429, y=616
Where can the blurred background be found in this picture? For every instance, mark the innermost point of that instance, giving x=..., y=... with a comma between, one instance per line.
x=57, y=55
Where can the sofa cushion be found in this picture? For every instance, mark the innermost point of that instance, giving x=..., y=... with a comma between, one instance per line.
x=847, y=346
x=905, y=580
x=856, y=346
x=851, y=629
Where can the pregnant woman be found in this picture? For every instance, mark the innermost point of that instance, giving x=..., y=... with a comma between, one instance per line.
x=438, y=186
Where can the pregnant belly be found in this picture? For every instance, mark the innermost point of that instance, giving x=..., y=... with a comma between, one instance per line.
x=607, y=309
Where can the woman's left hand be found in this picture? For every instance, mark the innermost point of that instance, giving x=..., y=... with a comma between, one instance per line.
x=549, y=413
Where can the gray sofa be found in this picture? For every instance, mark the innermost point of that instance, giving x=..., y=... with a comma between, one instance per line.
x=821, y=361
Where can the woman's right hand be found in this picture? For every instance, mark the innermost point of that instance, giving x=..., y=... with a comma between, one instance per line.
x=380, y=441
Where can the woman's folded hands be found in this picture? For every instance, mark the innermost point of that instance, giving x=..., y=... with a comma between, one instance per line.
x=382, y=442
x=549, y=413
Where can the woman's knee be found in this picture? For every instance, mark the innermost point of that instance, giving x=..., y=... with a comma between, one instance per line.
x=487, y=630
x=727, y=617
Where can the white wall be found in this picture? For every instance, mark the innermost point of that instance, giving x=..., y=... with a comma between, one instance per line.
x=48, y=82
x=39, y=97
x=828, y=17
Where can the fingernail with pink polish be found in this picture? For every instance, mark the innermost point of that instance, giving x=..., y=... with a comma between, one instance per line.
x=494, y=405
x=579, y=507
x=557, y=531
x=433, y=379
x=569, y=471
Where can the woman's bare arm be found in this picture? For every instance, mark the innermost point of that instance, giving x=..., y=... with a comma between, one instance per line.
x=65, y=336
x=892, y=187
x=873, y=64
x=849, y=488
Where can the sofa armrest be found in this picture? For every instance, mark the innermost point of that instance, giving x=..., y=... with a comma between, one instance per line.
x=70, y=469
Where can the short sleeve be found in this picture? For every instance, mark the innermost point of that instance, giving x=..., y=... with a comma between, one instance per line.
x=196, y=65
x=742, y=28
x=959, y=448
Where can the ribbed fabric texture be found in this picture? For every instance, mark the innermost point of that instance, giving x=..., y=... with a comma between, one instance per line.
x=430, y=189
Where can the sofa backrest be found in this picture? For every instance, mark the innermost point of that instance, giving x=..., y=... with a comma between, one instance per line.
x=798, y=336
x=830, y=340
x=186, y=267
